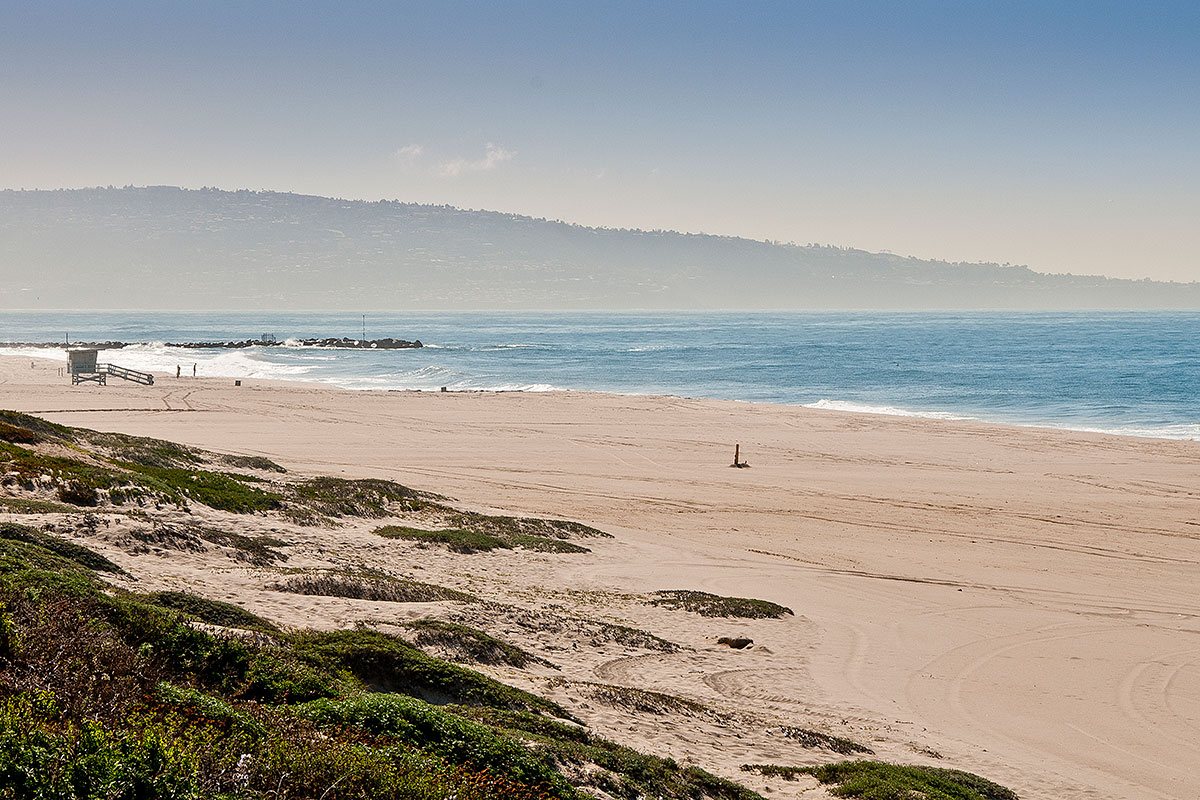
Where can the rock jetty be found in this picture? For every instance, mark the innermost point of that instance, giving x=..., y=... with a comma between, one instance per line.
x=351, y=344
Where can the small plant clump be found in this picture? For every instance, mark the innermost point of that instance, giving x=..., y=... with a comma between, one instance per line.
x=715, y=605
x=457, y=541
x=469, y=644
x=120, y=469
x=78, y=493
x=77, y=553
x=405, y=719
x=36, y=428
x=474, y=540
x=505, y=527
x=876, y=780
x=21, y=505
x=224, y=491
x=825, y=741
x=17, y=434
x=387, y=663
x=369, y=587
x=260, y=463
x=317, y=500
x=141, y=450
x=261, y=551
x=616, y=770
x=214, y=612
x=629, y=698
x=605, y=632
x=544, y=544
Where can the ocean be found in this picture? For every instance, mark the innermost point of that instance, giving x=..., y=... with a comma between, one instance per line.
x=1131, y=373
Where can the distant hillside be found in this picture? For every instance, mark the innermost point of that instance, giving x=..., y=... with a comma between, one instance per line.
x=167, y=248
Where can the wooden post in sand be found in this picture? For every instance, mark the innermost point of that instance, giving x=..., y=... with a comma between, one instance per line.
x=737, y=462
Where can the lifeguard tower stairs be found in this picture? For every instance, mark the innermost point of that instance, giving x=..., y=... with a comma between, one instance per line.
x=81, y=364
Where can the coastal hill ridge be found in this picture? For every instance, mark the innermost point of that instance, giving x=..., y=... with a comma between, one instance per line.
x=167, y=247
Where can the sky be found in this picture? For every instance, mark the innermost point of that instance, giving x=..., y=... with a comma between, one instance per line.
x=1060, y=135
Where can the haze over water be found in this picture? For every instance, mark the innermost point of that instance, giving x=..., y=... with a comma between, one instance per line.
x=1128, y=373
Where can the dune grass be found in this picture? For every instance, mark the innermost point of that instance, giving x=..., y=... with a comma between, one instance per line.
x=81, y=555
x=369, y=587
x=614, y=769
x=387, y=663
x=632, y=699
x=876, y=780
x=261, y=551
x=457, y=541
x=715, y=605
x=469, y=644
x=21, y=505
x=825, y=741
x=545, y=544
x=214, y=612
x=322, y=499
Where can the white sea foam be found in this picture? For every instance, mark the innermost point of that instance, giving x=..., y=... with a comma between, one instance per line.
x=56, y=354
x=893, y=411
x=231, y=363
x=1185, y=431
x=158, y=357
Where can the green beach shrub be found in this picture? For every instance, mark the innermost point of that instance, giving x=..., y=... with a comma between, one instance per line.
x=875, y=780
x=470, y=644
x=386, y=663
x=370, y=587
x=83, y=556
x=458, y=541
x=543, y=544
x=715, y=605
x=214, y=612
x=414, y=722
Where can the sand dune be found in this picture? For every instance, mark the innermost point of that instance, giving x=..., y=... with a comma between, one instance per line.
x=1016, y=602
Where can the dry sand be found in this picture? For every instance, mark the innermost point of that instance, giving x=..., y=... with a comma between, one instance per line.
x=1020, y=601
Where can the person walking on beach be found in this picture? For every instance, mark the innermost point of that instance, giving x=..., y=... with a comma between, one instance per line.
x=176, y=370
x=193, y=370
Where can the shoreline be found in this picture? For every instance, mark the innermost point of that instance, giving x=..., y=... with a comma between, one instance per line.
x=824, y=404
x=1005, y=596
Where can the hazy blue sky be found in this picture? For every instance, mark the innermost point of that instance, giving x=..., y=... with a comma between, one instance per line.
x=1061, y=135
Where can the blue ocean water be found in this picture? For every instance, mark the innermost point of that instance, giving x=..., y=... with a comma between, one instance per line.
x=1135, y=373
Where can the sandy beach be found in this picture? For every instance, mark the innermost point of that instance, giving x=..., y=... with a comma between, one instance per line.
x=1016, y=602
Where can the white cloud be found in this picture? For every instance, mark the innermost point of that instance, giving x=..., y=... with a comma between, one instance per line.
x=494, y=155
x=408, y=155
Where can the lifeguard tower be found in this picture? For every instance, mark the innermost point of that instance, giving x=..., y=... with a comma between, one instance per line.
x=82, y=366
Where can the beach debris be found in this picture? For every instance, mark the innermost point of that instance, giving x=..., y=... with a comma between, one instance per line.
x=737, y=643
